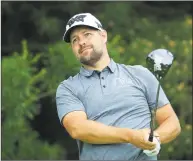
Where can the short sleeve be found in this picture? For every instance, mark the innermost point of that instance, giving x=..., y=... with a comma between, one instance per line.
x=150, y=83
x=67, y=101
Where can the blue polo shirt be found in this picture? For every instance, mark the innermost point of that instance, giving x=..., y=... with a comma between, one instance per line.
x=118, y=96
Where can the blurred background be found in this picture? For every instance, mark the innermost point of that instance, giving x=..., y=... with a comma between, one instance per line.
x=35, y=60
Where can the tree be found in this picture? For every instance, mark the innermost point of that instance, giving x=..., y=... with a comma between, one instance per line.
x=20, y=104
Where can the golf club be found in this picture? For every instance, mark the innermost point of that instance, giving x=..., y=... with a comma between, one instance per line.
x=158, y=62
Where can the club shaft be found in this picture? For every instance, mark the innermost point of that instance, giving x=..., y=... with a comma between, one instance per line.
x=153, y=114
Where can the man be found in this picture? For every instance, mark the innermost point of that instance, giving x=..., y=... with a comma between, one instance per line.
x=105, y=106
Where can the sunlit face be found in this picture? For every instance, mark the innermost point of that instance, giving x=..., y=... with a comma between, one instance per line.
x=88, y=44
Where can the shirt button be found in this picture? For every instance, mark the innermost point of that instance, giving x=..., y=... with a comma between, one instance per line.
x=102, y=77
x=104, y=86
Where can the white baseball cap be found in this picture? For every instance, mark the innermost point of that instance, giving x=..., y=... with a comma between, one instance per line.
x=82, y=19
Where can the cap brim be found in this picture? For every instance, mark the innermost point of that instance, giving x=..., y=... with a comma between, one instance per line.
x=66, y=36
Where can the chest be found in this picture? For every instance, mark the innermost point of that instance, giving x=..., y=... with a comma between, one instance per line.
x=112, y=93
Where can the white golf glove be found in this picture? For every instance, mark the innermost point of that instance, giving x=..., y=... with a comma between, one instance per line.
x=155, y=151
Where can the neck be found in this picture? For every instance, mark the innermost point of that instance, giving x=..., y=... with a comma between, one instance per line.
x=101, y=64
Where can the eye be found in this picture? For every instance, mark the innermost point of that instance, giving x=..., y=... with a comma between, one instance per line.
x=74, y=40
x=87, y=34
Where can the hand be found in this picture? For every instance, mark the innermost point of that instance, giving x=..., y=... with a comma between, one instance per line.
x=140, y=137
x=155, y=151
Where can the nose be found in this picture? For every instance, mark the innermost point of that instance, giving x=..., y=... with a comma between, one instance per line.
x=82, y=42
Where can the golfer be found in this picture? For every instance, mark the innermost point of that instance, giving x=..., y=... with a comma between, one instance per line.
x=105, y=106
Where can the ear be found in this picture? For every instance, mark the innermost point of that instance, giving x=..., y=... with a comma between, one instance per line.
x=104, y=35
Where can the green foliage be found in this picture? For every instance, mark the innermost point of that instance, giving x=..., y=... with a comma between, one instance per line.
x=181, y=147
x=20, y=95
x=60, y=63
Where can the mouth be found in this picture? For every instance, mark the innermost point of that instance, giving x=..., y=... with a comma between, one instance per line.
x=82, y=51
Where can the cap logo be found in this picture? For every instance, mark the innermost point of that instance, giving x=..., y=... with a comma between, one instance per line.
x=98, y=24
x=76, y=19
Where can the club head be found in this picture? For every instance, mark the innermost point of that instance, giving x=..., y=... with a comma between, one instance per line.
x=159, y=62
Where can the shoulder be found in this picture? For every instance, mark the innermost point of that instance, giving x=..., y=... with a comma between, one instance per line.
x=140, y=74
x=71, y=83
x=137, y=70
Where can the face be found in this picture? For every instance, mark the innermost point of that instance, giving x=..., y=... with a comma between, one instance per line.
x=88, y=44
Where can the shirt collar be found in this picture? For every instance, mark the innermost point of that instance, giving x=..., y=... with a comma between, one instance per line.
x=87, y=72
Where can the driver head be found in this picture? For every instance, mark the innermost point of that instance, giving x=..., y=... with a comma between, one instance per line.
x=159, y=62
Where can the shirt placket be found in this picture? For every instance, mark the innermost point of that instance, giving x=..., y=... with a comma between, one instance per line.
x=103, y=80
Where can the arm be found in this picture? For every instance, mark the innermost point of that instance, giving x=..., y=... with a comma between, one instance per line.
x=80, y=128
x=93, y=132
x=169, y=126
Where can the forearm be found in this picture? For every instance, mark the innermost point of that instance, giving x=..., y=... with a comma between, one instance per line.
x=98, y=133
x=169, y=130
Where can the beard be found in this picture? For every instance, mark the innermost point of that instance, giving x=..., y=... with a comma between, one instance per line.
x=92, y=58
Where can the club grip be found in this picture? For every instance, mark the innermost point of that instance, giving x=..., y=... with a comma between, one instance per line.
x=150, y=138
